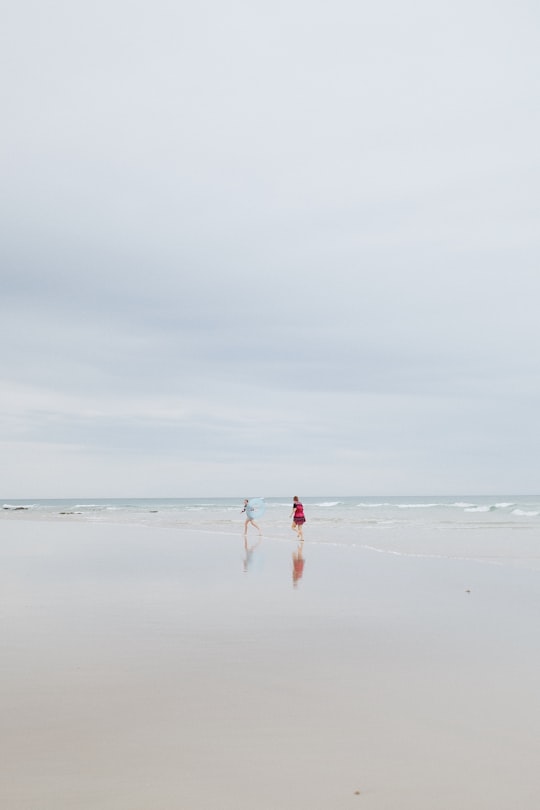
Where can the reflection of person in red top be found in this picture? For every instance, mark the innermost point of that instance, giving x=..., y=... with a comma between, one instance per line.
x=299, y=518
x=298, y=565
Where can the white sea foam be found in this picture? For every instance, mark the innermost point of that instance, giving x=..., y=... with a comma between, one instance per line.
x=503, y=505
x=524, y=514
x=417, y=505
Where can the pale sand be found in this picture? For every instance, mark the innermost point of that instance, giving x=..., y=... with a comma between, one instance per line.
x=144, y=670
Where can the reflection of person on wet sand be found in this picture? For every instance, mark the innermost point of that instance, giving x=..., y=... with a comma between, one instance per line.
x=249, y=552
x=249, y=520
x=298, y=564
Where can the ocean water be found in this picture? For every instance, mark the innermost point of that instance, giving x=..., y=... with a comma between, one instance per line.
x=500, y=530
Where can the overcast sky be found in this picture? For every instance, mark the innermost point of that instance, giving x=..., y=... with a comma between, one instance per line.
x=264, y=247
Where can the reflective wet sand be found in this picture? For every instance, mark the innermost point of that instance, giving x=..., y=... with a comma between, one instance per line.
x=161, y=669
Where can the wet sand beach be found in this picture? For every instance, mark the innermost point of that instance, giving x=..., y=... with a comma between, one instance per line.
x=168, y=669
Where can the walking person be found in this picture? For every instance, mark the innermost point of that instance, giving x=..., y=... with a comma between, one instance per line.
x=298, y=517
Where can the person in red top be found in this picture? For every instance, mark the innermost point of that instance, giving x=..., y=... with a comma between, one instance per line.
x=298, y=517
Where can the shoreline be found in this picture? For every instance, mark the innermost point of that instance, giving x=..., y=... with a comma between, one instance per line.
x=505, y=545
